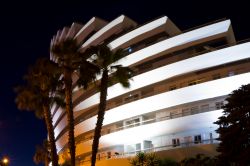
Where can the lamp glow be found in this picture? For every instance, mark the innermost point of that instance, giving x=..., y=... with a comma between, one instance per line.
x=5, y=160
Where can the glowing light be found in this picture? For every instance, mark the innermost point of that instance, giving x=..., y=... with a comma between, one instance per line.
x=5, y=160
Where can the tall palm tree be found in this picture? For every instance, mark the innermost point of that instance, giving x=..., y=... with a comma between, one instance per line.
x=40, y=93
x=70, y=60
x=67, y=58
x=42, y=154
x=104, y=58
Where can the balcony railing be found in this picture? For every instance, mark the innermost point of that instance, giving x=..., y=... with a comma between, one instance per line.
x=150, y=121
x=154, y=149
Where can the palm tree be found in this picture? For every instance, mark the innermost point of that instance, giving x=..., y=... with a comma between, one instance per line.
x=67, y=58
x=39, y=94
x=145, y=159
x=42, y=154
x=104, y=58
x=71, y=60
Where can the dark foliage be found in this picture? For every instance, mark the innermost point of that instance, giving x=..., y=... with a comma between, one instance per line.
x=39, y=94
x=198, y=160
x=234, y=129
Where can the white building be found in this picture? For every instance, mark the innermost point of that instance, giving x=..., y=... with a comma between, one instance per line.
x=181, y=80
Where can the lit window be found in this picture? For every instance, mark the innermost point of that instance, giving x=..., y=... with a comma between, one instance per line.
x=129, y=49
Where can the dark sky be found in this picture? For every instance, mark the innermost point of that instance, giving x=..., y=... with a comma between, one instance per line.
x=27, y=27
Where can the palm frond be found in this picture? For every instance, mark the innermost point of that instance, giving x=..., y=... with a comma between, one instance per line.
x=122, y=75
x=118, y=55
x=87, y=73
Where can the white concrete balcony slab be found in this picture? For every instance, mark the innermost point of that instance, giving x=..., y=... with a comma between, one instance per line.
x=204, y=61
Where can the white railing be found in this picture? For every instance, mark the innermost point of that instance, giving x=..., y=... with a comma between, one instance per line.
x=153, y=120
x=154, y=149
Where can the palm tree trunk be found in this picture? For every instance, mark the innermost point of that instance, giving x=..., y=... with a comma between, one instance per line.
x=70, y=115
x=46, y=162
x=52, y=144
x=100, y=116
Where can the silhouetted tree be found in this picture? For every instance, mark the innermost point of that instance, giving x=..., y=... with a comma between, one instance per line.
x=42, y=154
x=39, y=94
x=67, y=57
x=168, y=162
x=234, y=129
x=70, y=60
x=198, y=160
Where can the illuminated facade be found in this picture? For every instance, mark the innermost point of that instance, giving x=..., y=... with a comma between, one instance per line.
x=181, y=80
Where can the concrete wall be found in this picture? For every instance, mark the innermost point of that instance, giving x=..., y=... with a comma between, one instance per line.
x=177, y=154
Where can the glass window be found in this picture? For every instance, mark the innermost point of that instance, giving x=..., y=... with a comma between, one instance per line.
x=138, y=147
x=176, y=142
x=175, y=114
x=205, y=107
x=185, y=112
x=194, y=110
x=197, y=139
x=218, y=105
x=133, y=122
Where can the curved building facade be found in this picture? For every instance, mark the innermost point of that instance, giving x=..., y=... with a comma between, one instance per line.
x=181, y=81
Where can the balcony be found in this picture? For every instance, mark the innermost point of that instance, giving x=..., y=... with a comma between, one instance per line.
x=137, y=122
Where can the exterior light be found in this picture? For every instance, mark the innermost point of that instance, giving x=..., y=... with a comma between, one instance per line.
x=5, y=160
x=130, y=49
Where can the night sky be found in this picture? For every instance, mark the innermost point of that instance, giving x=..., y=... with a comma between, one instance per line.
x=27, y=27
